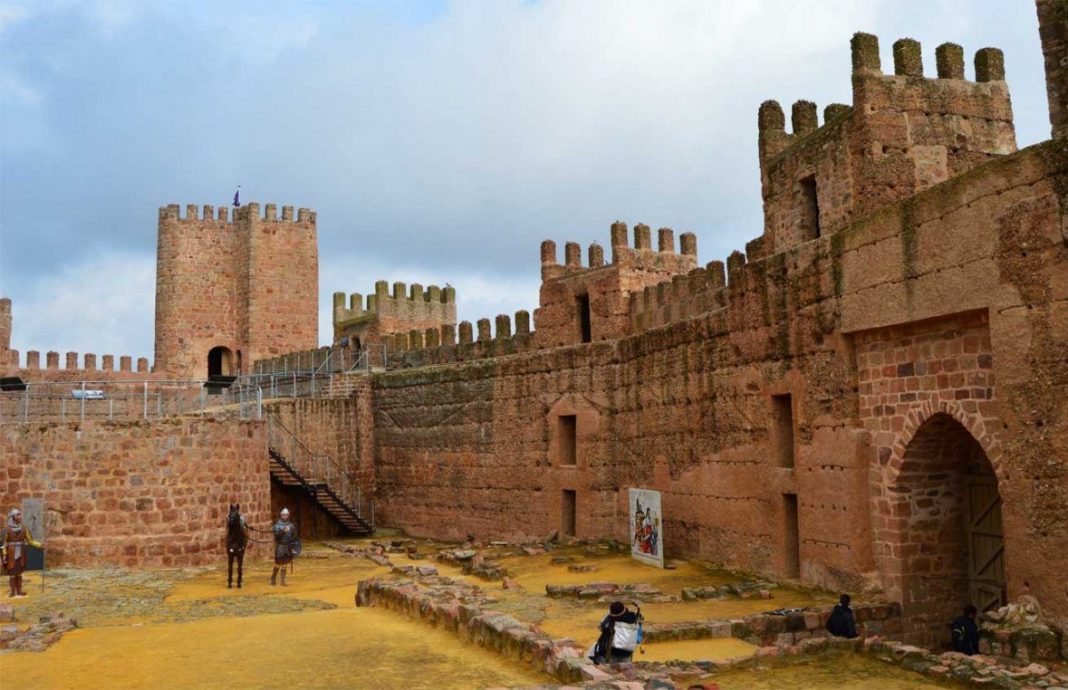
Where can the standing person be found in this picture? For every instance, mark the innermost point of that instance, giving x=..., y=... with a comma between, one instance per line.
x=842, y=623
x=620, y=632
x=284, y=535
x=966, y=632
x=13, y=551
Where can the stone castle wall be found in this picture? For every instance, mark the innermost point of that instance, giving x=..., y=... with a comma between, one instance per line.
x=948, y=305
x=134, y=493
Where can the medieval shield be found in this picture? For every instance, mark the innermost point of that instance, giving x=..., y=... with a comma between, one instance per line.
x=294, y=547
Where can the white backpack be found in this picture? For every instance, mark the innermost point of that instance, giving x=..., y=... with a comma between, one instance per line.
x=626, y=635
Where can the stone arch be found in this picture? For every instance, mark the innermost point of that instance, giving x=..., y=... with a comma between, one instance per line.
x=937, y=520
x=979, y=428
x=220, y=361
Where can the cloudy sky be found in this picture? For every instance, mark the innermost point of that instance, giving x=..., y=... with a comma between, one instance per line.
x=438, y=141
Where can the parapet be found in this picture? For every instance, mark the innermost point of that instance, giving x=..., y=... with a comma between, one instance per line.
x=639, y=256
x=221, y=214
x=413, y=304
x=462, y=342
x=88, y=366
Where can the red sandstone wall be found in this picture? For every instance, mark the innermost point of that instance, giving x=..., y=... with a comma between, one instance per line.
x=137, y=493
x=952, y=302
x=281, y=277
x=197, y=273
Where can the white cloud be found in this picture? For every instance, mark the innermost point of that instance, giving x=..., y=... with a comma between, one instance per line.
x=104, y=305
x=434, y=147
x=478, y=294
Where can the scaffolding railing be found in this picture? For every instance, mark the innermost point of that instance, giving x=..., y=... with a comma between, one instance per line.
x=128, y=400
x=335, y=359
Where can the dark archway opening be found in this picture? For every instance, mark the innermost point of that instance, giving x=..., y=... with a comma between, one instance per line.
x=952, y=541
x=219, y=362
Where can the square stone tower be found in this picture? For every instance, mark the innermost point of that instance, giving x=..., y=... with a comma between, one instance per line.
x=582, y=304
x=229, y=292
x=904, y=133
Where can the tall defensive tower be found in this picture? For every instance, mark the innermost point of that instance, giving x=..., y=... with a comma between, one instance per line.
x=231, y=291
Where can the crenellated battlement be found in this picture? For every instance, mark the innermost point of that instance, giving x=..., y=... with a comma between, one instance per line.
x=408, y=303
x=73, y=366
x=680, y=298
x=221, y=214
x=392, y=310
x=589, y=303
x=463, y=342
x=904, y=132
x=636, y=253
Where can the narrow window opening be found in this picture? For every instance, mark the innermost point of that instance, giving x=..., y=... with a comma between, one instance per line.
x=567, y=513
x=585, y=329
x=568, y=436
x=791, y=537
x=811, y=210
x=782, y=407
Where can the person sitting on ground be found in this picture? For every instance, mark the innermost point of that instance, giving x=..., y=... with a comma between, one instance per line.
x=841, y=622
x=619, y=635
x=966, y=632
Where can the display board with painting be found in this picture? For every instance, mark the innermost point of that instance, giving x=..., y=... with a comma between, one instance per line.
x=646, y=527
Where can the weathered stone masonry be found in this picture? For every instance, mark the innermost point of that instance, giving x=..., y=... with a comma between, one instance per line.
x=137, y=493
x=920, y=337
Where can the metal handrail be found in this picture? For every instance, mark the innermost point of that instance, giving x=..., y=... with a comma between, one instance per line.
x=314, y=466
x=126, y=399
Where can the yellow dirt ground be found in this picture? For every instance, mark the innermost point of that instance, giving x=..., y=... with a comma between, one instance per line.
x=347, y=647
x=184, y=629
x=829, y=672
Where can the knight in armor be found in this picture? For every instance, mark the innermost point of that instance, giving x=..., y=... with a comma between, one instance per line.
x=13, y=551
x=285, y=536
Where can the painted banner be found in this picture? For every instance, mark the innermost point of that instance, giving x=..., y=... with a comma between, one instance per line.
x=33, y=514
x=646, y=527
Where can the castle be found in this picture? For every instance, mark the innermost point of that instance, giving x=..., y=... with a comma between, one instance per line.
x=871, y=396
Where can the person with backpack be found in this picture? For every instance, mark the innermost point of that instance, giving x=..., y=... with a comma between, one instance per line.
x=621, y=633
x=842, y=623
x=966, y=632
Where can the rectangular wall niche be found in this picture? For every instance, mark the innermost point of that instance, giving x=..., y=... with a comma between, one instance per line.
x=782, y=408
x=791, y=537
x=810, y=210
x=567, y=513
x=567, y=435
x=585, y=327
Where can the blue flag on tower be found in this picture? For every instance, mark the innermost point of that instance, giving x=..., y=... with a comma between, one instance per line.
x=237, y=196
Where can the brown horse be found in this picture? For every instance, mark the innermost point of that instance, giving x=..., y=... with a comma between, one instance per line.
x=236, y=540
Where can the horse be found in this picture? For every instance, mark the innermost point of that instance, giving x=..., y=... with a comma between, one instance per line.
x=236, y=540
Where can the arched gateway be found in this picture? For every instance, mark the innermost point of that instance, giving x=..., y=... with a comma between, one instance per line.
x=944, y=510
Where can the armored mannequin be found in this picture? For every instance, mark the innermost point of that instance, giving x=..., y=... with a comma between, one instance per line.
x=285, y=534
x=13, y=551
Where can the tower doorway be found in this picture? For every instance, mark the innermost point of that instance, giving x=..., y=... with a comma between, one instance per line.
x=951, y=540
x=220, y=362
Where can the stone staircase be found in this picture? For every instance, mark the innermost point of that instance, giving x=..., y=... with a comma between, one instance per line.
x=319, y=477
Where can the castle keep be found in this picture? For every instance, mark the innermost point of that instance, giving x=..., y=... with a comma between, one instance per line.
x=231, y=291
x=870, y=397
